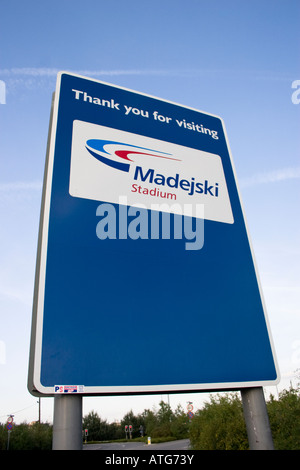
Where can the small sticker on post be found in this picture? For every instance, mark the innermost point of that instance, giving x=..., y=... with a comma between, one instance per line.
x=68, y=388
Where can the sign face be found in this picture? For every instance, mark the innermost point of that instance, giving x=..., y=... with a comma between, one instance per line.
x=141, y=229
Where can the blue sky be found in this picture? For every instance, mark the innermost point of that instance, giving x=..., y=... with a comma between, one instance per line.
x=235, y=59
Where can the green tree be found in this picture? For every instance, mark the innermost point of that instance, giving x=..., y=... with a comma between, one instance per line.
x=98, y=429
x=36, y=436
x=165, y=417
x=284, y=416
x=135, y=421
x=165, y=423
x=150, y=421
x=180, y=423
x=219, y=425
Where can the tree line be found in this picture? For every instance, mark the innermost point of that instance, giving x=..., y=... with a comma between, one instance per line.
x=162, y=423
x=218, y=425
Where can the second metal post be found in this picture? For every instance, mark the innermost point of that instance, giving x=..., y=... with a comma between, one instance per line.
x=257, y=419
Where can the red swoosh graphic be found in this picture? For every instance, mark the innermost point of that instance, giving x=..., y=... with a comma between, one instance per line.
x=124, y=154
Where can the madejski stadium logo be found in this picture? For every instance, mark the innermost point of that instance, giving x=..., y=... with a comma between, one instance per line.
x=113, y=154
x=107, y=162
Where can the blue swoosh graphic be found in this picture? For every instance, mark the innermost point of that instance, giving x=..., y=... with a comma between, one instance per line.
x=99, y=144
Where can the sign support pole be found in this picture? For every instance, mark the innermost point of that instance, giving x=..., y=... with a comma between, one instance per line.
x=8, y=436
x=257, y=419
x=67, y=422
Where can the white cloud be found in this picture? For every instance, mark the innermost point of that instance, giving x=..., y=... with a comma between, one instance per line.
x=271, y=177
x=31, y=71
x=21, y=185
x=17, y=194
x=52, y=72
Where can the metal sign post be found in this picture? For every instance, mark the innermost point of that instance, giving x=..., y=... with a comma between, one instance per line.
x=9, y=426
x=67, y=422
x=257, y=419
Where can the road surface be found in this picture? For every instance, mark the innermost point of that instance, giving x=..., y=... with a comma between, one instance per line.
x=183, y=444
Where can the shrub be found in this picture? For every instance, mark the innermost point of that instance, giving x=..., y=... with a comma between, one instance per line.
x=219, y=425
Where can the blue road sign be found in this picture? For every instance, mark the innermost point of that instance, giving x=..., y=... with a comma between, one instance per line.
x=141, y=229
